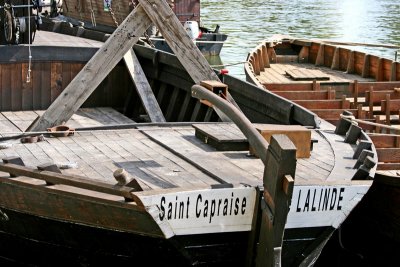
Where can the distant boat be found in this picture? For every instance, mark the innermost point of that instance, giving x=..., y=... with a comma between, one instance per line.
x=96, y=15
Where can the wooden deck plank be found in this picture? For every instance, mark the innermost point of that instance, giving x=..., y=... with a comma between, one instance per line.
x=194, y=150
x=276, y=73
x=7, y=126
x=118, y=117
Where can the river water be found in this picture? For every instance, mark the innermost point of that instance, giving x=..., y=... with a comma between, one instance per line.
x=248, y=22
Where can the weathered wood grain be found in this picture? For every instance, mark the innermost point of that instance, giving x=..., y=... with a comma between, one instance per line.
x=82, y=86
x=143, y=87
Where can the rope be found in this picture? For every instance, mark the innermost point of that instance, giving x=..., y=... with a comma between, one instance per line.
x=28, y=75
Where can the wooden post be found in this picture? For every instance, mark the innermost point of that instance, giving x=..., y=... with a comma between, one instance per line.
x=260, y=59
x=320, y=61
x=265, y=56
x=350, y=63
x=387, y=113
x=336, y=57
x=379, y=70
x=360, y=112
x=278, y=188
x=256, y=64
x=377, y=121
x=14, y=160
x=365, y=69
x=364, y=170
x=352, y=134
x=393, y=71
x=94, y=72
x=143, y=88
x=343, y=104
x=331, y=93
x=343, y=125
x=371, y=103
x=303, y=54
x=315, y=85
x=355, y=92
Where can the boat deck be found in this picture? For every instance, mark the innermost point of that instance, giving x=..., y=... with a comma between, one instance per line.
x=164, y=156
x=46, y=38
x=305, y=72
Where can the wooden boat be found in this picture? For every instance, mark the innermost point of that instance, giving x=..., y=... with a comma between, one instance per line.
x=195, y=196
x=323, y=77
x=96, y=15
x=331, y=79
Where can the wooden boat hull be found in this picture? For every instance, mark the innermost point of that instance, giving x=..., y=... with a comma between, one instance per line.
x=52, y=231
x=369, y=236
x=314, y=73
x=47, y=242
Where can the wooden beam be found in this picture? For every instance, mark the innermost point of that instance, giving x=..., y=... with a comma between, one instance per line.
x=350, y=63
x=393, y=71
x=390, y=155
x=379, y=70
x=387, y=166
x=303, y=54
x=265, y=56
x=366, y=66
x=385, y=140
x=336, y=59
x=260, y=58
x=309, y=95
x=143, y=88
x=94, y=72
x=324, y=104
x=180, y=43
x=71, y=180
x=320, y=61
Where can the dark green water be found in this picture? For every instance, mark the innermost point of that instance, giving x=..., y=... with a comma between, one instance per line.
x=248, y=22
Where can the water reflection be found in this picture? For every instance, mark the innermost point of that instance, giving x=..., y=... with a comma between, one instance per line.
x=248, y=22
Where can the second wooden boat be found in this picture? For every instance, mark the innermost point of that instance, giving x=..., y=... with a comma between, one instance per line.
x=335, y=82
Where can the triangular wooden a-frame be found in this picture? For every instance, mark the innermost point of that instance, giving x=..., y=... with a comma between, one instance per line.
x=115, y=48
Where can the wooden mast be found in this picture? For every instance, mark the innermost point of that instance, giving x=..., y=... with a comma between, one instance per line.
x=115, y=48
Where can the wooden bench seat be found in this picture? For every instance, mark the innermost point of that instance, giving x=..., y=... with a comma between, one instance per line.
x=375, y=97
x=333, y=115
x=390, y=155
x=314, y=86
x=307, y=95
x=324, y=104
x=360, y=88
x=385, y=140
x=389, y=107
